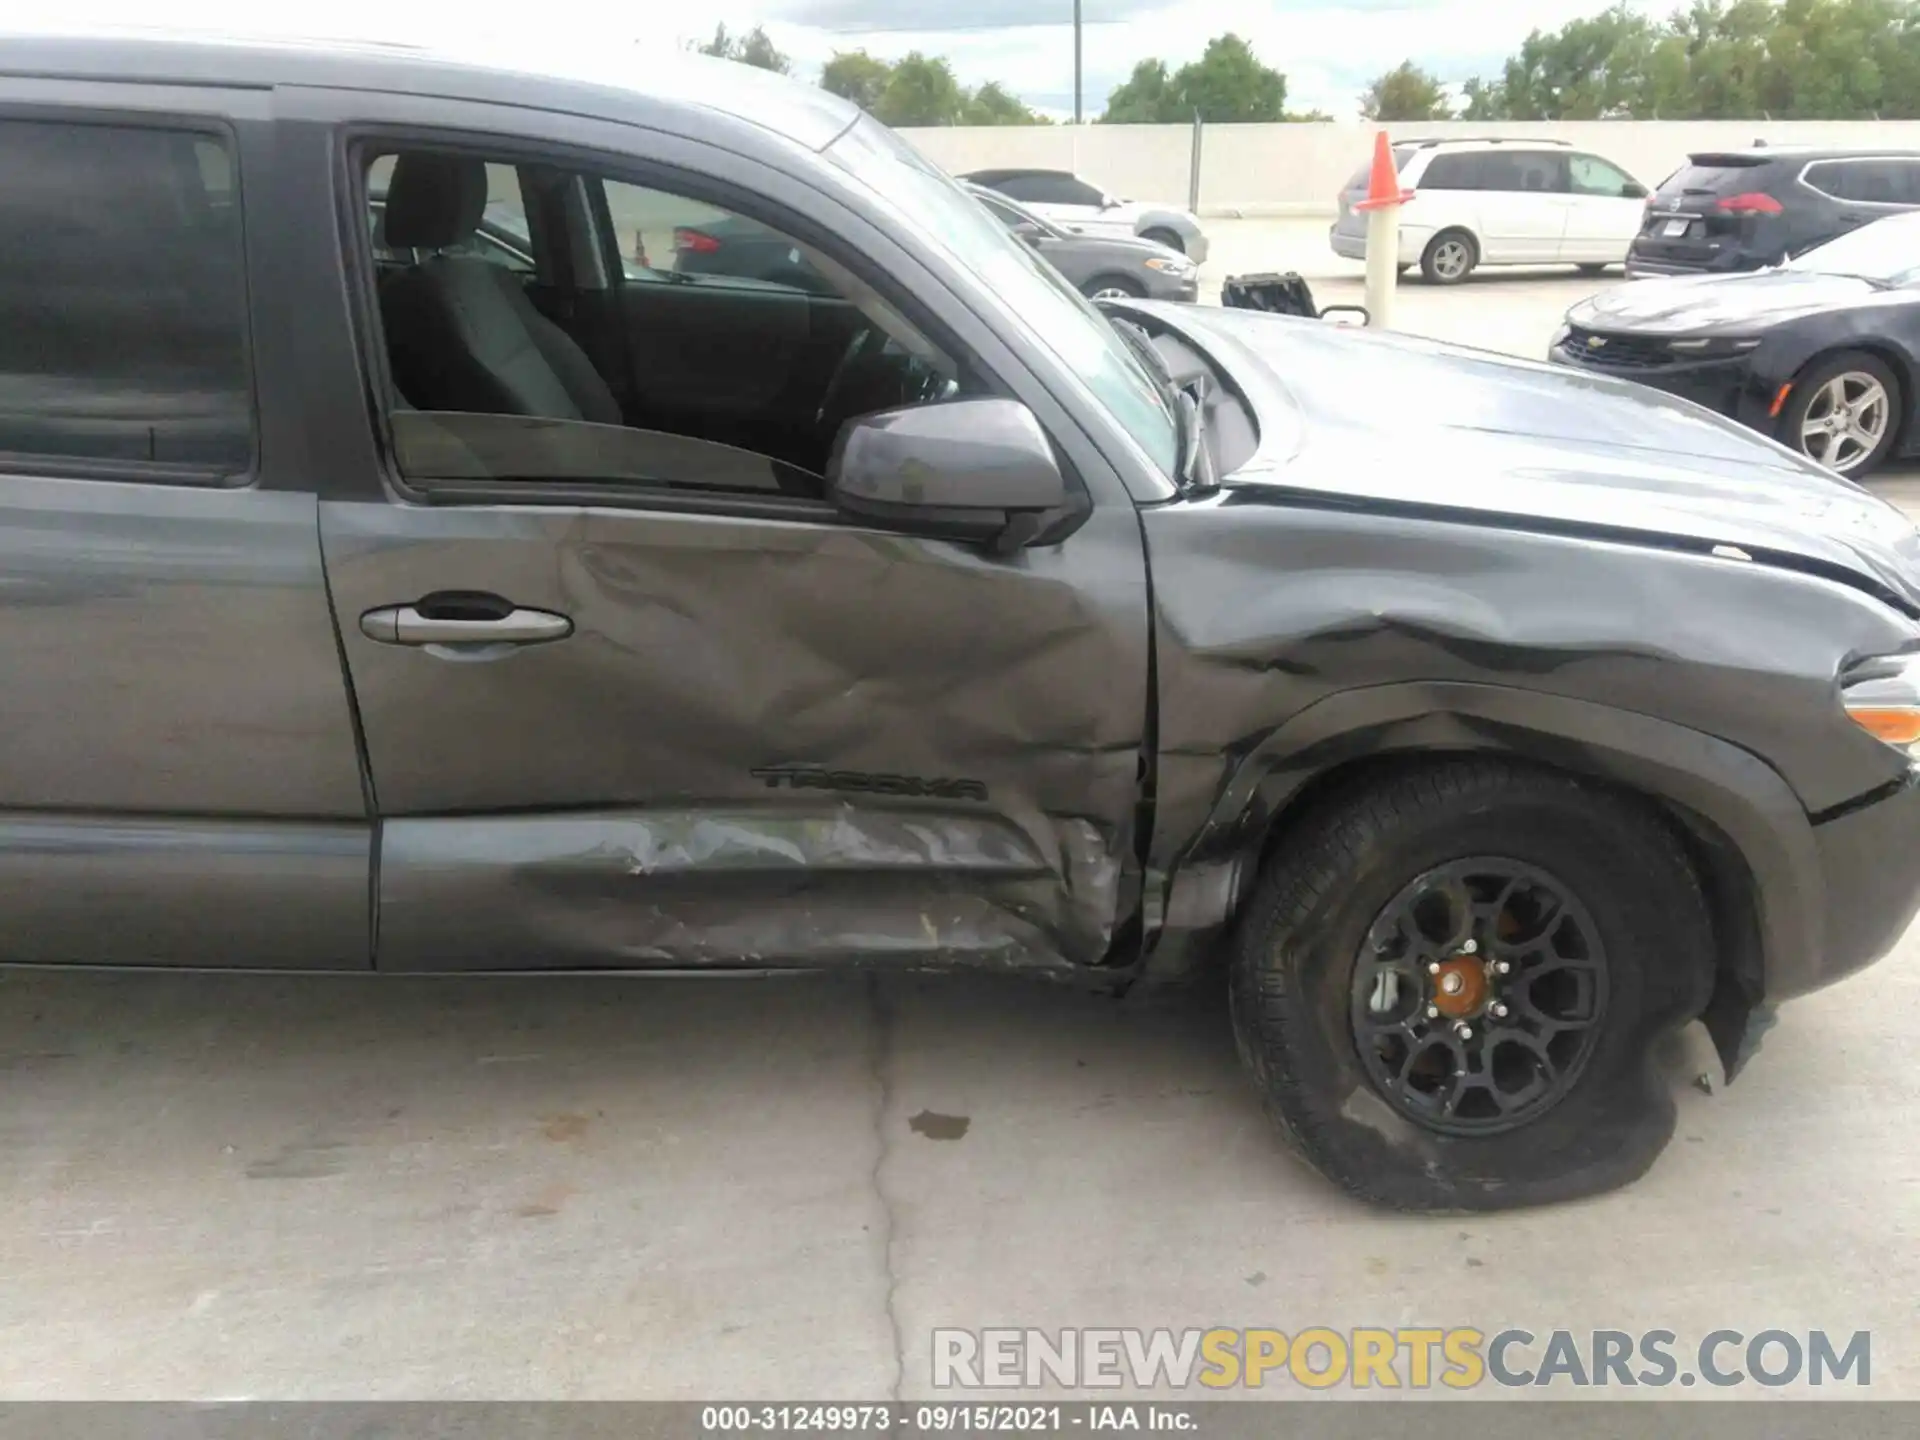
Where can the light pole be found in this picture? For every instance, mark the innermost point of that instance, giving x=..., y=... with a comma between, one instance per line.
x=1076, y=62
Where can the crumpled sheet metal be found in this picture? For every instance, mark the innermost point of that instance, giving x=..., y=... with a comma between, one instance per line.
x=744, y=888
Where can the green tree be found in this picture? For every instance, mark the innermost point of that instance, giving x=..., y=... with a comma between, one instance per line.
x=1147, y=98
x=1717, y=60
x=1486, y=100
x=752, y=48
x=991, y=104
x=921, y=91
x=857, y=76
x=1406, y=92
x=1227, y=83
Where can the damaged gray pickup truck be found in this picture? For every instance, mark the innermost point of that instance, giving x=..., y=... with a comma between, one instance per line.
x=373, y=595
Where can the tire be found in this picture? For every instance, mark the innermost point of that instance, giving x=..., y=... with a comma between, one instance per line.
x=1102, y=286
x=1852, y=372
x=1591, y=271
x=1449, y=258
x=1298, y=986
x=1160, y=235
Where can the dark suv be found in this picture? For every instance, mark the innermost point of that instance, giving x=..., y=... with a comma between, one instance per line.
x=418, y=613
x=1745, y=209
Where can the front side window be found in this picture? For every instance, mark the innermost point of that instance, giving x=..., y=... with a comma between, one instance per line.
x=713, y=353
x=123, y=312
x=1075, y=191
x=1593, y=176
x=925, y=202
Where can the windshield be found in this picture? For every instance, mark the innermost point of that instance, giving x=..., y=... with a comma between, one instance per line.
x=1887, y=251
x=942, y=214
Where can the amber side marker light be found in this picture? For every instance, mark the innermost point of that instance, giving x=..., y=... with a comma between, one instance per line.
x=1895, y=724
x=1779, y=402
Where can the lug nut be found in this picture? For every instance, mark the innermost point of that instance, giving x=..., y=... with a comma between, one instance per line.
x=1465, y=1032
x=1472, y=947
x=1433, y=967
x=1498, y=1011
x=1501, y=967
x=1433, y=1012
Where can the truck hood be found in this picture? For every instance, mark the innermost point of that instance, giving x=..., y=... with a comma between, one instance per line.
x=1349, y=415
x=1719, y=304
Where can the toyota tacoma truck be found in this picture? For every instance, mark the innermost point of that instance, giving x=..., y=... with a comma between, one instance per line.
x=399, y=607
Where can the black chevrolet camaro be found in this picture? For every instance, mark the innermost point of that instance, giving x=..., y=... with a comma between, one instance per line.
x=1822, y=353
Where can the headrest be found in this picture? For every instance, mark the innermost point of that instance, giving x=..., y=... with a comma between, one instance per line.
x=434, y=201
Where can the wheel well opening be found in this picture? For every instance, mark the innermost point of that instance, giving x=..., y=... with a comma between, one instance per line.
x=1725, y=879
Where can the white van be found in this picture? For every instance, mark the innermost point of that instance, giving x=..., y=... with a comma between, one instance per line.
x=1500, y=202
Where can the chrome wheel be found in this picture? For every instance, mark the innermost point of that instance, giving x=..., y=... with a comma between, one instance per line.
x=1846, y=420
x=1478, y=996
x=1452, y=258
x=1113, y=292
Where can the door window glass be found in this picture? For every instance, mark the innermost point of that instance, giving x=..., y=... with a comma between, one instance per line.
x=724, y=355
x=1452, y=172
x=1593, y=176
x=1525, y=171
x=123, y=314
x=1887, y=181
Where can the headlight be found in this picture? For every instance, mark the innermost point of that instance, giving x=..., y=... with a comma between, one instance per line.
x=1713, y=345
x=1882, y=697
x=1171, y=264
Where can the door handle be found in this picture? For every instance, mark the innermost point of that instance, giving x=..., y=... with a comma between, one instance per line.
x=463, y=620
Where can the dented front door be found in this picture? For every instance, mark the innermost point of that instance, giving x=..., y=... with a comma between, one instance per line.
x=672, y=740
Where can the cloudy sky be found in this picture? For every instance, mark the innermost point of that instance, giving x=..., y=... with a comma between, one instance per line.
x=1328, y=49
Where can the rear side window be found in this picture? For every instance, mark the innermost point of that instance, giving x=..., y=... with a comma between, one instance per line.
x=1362, y=177
x=1883, y=181
x=122, y=303
x=1454, y=172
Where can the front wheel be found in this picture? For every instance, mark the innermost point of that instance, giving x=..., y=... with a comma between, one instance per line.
x=1844, y=413
x=1450, y=981
x=1114, y=287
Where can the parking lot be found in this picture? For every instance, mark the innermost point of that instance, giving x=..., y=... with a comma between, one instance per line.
x=223, y=1187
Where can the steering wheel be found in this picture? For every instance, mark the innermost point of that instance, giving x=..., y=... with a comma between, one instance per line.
x=867, y=342
x=875, y=372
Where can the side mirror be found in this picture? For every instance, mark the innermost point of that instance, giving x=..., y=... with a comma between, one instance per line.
x=1029, y=232
x=1633, y=190
x=978, y=469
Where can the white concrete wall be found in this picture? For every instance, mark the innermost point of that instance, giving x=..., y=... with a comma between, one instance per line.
x=1299, y=169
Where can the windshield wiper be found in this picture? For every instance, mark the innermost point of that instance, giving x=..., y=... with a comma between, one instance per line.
x=1189, y=422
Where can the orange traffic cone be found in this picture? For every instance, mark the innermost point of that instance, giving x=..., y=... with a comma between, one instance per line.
x=1383, y=185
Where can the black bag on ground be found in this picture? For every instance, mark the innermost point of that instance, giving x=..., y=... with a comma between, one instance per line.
x=1279, y=294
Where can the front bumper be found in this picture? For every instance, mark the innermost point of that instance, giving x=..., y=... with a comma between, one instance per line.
x=1724, y=384
x=1870, y=866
